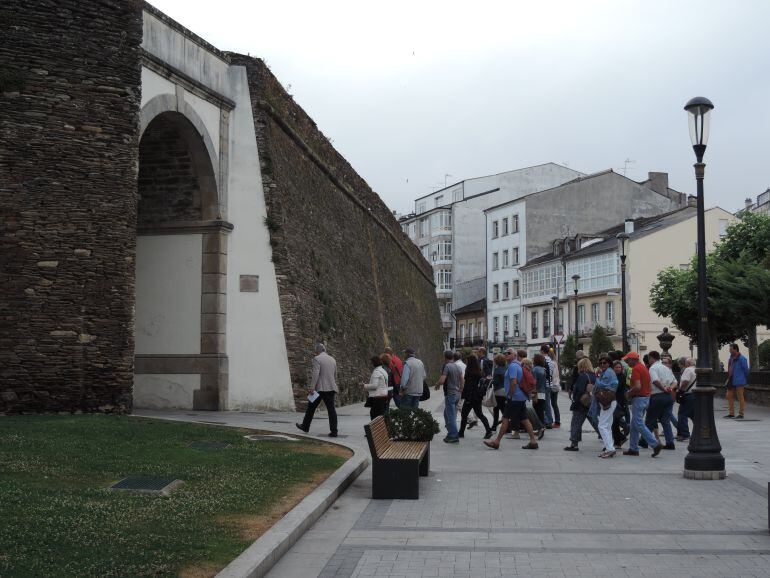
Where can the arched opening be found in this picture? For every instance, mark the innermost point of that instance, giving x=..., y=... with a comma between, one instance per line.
x=179, y=319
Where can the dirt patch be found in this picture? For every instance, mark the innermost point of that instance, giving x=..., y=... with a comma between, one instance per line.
x=202, y=570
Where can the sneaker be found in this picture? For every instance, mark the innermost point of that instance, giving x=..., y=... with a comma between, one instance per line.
x=489, y=434
x=657, y=450
x=472, y=424
x=449, y=440
x=739, y=416
x=530, y=446
x=540, y=434
x=631, y=453
x=556, y=425
x=300, y=426
x=333, y=434
x=682, y=438
x=729, y=416
x=549, y=427
x=669, y=447
x=572, y=449
x=607, y=454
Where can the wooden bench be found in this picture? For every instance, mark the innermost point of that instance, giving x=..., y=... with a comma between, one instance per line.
x=396, y=466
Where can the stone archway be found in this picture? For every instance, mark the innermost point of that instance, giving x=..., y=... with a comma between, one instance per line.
x=180, y=269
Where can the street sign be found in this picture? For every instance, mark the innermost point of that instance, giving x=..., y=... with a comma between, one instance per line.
x=558, y=337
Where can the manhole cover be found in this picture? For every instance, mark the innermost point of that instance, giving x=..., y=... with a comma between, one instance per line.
x=148, y=484
x=209, y=445
x=270, y=438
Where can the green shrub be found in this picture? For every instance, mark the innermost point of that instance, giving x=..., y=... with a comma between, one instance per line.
x=408, y=424
x=764, y=354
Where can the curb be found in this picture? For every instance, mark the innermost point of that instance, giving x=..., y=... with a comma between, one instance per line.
x=262, y=555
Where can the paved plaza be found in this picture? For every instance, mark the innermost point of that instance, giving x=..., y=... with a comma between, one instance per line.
x=511, y=512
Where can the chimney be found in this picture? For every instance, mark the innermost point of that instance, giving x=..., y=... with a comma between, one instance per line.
x=658, y=182
x=692, y=201
x=748, y=203
x=629, y=226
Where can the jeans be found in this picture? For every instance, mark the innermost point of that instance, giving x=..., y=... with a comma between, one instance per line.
x=660, y=405
x=328, y=398
x=555, y=407
x=412, y=401
x=686, y=411
x=450, y=414
x=593, y=414
x=579, y=415
x=547, y=417
x=638, y=407
x=605, y=426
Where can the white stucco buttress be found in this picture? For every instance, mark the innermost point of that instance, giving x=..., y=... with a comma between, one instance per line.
x=258, y=360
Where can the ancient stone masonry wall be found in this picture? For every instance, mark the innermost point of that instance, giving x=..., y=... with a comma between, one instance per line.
x=347, y=275
x=69, y=103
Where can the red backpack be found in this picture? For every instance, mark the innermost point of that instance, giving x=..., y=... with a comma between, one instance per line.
x=527, y=384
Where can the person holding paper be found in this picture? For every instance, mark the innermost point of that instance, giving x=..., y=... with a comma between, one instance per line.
x=323, y=387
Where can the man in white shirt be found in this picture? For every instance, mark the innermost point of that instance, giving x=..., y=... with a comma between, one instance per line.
x=686, y=397
x=662, y=381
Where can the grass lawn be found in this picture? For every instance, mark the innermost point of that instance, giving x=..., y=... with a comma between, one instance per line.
x=58, y=519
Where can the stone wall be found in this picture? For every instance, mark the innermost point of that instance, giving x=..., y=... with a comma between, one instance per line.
x=69, y=102
x=347, y=275
x=757, y=392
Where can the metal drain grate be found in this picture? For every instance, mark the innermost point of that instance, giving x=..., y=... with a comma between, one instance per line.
x=209, y=445
x=270, y=438
x=148, y=484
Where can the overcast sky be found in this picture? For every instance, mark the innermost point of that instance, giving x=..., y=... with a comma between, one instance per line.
x=410, y=92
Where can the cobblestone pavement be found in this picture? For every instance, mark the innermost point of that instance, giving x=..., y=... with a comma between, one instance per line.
x=511, y=512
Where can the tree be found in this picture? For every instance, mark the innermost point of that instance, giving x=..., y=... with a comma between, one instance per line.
x=600, y=343
x=748, y=240
x=764, y=354
x=567, y=358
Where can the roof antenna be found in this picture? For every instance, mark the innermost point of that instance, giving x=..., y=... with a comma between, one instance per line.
x=625, y=165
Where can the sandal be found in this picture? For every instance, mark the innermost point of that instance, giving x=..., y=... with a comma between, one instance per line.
x=529, y=446
x=540, y=434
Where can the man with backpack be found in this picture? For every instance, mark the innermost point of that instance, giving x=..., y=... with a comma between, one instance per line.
x=517, y=393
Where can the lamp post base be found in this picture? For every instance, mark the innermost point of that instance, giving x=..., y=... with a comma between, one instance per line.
x=704, y=460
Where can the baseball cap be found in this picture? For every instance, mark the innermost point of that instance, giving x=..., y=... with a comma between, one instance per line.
x=409, y=351
x=631, y=355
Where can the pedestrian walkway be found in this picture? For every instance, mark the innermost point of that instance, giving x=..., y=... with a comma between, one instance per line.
x=511, y=512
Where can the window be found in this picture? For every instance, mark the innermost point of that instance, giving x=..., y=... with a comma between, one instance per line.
x=462, y=331
x=444, y=280
x=441, y=251
x=516, y=292
x=495, y=261
x=412, y=230
x=543, y=281
x=481, y=329
x=505, y=226
x=448, y=307
x=505, y=258
x=597, y=273
x=423, y=227
x=471, y=328
x=558, y=326
x=516, y=328
x=546, y=323
x=505, y=291
x=515, y=224
x=496, y=330
x=457, y=195
x=505, y=327
x=495, y=292
x=439, y=201
x=441, y=221
x=722, y=227
x=425, y=250
x=594, y=313
x=515, y=255
x=495, y=229
x=581, y=314
x=421, y=207
x=609, y=313
x=405, y=228
x=535, y=328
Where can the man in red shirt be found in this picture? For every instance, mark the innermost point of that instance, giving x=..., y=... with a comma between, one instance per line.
x=397, y=367
x=639, y=398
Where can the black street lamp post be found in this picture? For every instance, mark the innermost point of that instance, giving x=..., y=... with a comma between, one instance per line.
x=576, y=280
x=623, y=246
x=704, y=460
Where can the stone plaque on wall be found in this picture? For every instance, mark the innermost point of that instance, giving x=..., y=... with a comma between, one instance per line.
x=249, y=283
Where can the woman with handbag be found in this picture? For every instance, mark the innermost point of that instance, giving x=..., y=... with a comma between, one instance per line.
x=377, y=401
x=472, y=395
x=581, y=401
x=606, y=386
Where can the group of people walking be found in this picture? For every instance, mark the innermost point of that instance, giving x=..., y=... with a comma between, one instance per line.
x=625, y=398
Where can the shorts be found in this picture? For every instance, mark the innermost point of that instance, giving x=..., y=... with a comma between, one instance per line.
x=515, y=411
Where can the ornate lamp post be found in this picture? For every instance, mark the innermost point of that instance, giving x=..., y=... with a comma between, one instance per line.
x=704, y=460
x=576, y=280
x=623, y=247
